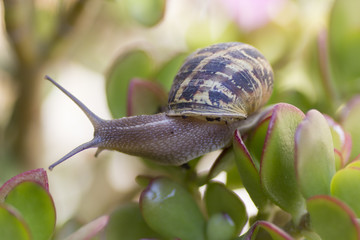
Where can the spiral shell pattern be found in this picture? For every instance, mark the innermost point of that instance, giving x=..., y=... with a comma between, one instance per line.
x=225, y=81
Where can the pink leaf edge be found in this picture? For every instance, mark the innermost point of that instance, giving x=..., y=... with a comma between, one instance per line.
x=345, y=139
x=269, y=227
x=240, y=143
x=36, y=175
x=273, y=120
x=343, y=206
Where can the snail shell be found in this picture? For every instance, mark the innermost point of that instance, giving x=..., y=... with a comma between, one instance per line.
x=226, y=81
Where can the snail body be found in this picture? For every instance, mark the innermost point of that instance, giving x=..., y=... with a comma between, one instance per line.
x=216, y=91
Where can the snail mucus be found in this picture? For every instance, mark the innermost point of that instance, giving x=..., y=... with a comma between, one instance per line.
x=217, y=90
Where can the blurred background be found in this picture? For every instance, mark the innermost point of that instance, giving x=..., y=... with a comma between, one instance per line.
x=97, y=48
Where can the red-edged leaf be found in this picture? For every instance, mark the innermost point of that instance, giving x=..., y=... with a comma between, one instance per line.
x=256, y=141
x=12, y=224
x=275, y=232
x=36, y=206
x=248, y=172
x=345, y=185
x=37, y=175
x=314, y=155
x=332, y=219
x=277, y=170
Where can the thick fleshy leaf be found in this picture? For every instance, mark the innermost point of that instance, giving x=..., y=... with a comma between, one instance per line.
x=36, y=206
x=233, y=180
x=134, y=64
x=36, y=175
x=145, y=98
x=332, y=219
x=342, y=143
x=256, y=141
x=146, y=12
x=314, y=155
x=12, y=226
x=355, y=164
x=125, y=216
x=277, y=171
x=169, y=209
x=90, y=230
x=219, y=199
x=345, y=185
x=275, y=232
x=220, y=227
x=350, y=121
x=249, y=173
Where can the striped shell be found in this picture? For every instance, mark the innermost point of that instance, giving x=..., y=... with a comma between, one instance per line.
x=226, y=81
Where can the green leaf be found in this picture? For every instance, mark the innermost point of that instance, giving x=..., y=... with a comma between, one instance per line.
x=275, y=232
x=89, y=230
x=145, y=97
x=168, y=71
x=125, y=216
x=219, y=199
x=256, y=141
x=233, y=180
x=249, y=173
x=36, y=206
x=146, y=12
x=36, y=175
x=355, y=164
x=12, y=226
x=314, y=155
x=220, y=227
x=169, y=209
x=277, y=166
x=350, y=121
x=332, y=219
x=222, y=163
x=134, y=64
x=345, y=185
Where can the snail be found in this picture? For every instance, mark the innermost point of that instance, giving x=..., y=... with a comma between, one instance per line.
x=217, y=90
